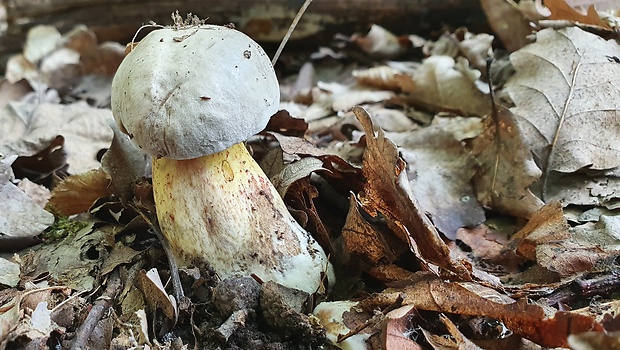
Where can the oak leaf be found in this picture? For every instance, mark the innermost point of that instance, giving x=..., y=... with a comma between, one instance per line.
x=567, y=98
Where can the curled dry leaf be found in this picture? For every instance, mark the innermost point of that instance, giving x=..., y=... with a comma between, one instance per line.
x=364, y=243
x=396, y=328
x=126, y=162
x=440, y=84
x=387, y=192
x=566, y=95
x=380, y=42
x=543, y=325
x=505, y=167
x=546, y=225
x=77, y=193
x=382, y=77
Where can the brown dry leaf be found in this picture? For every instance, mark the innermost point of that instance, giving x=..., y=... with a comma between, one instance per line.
x=442, y=84
x=546, y=225
x=568, y=258
x=440, y=174
x=151, y=285
x=365, y=244
x=543, y=325
x=560, y=10
x=396, y=328
x=456, y=340
x=77, y=193
x=505, y=167
x=387, y=192
x=567, y=99
x=488, y=245
x=507, y=22
x=126, y=162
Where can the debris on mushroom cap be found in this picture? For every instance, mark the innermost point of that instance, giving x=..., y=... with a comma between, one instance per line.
x=192, y=91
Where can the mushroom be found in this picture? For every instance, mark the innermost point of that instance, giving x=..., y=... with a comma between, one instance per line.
x=189, y=96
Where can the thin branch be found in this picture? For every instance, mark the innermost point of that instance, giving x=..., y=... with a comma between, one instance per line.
x=290, y=31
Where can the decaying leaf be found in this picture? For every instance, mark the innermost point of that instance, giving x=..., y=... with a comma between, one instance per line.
x=364, y=243
x=546, y=225
x=566, y=95
x=87, y=248
x=387, y=192
x=440, y=172
x=84, y=128
x=21, y=217
x=125, y=163
x=150, y=284
x=442, y=84
x=506, y=169
x=544, y=325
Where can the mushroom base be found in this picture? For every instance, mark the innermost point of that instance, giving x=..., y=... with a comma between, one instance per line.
x=222, y=209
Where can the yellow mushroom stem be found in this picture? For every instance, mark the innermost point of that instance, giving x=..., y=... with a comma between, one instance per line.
x=222, y=209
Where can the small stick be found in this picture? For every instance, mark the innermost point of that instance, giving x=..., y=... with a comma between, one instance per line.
x=290, y=31
x=102, y=304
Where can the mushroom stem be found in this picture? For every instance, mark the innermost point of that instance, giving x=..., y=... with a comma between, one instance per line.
x=222, y=209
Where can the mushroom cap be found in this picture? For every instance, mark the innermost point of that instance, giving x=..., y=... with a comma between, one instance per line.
x=184, y=93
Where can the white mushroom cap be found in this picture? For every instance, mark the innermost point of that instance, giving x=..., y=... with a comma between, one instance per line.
x=190, y=92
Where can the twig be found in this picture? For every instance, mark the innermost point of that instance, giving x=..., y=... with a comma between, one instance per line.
x=174, y=267
x=102, y=304
x=290, y=31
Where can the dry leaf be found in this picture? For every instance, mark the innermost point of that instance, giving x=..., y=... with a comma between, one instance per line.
x=440, y=172
x=567, y=98
x=84, y=128
x=382, y=77
x=505, y=167
x=588, y=187
x=364, y=244
x=440, y=84
x=151, y=285
x=546, y=225
x=77, y=193
x=124, y=163
x=560, y=10
x=543, y=325
x=507, y=22
x=456, y=340
x=380, y=42
x=396, y=328
x=21, y=217
x=387, y=192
